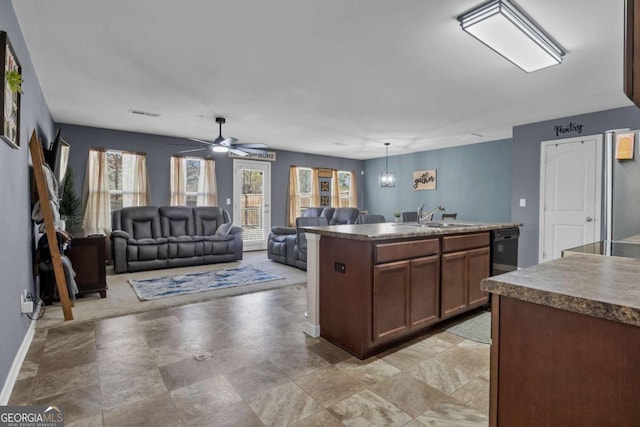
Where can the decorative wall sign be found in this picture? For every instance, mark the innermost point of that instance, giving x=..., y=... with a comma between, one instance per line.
x=324, y=185
x=424, y=180
x=624, y=145
x=568, y=128
x=325, y=173
x=269, y=156
x=324, y=200
x=11, y=88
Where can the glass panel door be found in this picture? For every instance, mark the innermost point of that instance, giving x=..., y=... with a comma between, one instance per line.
x=251, y=202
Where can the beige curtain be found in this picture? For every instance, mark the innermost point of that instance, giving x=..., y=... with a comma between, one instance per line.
x=315, y=187
x=294, y=198
x=353, y=191
x=178, y=183
x=207, y=186
x=135, y=179
x=95, y=192
x=335, y=190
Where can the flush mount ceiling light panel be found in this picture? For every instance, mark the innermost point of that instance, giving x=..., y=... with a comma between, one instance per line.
x=505, y=29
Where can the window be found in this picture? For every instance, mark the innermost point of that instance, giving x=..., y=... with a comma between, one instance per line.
x=126, y=172
x=344, y=188
x=193, y=182
x=305, y=180
x=113, y=180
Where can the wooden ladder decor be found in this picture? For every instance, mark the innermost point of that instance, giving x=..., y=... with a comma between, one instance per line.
x=37, y=157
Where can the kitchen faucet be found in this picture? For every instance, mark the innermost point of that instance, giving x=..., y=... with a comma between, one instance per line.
x=427, y=216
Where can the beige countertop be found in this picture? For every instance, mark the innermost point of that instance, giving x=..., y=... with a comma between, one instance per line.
x=398, y=230
x=599, y=286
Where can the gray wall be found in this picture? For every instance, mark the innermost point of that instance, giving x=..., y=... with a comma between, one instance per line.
x=472, y=180
x=160, y=148
x=15, y=224
x=526, y=166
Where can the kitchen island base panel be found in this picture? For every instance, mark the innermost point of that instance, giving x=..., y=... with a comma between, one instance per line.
x=553, y=367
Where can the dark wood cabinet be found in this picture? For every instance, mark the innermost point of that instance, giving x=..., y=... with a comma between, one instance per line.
x=87, y=255
x=405, y=296
x=425, y=291
x=391, y=299
x=374, y=294
x=551, y=367
x=631, y=53
x=462, y=272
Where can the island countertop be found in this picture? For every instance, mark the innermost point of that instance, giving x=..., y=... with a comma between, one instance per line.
x=400, y=230
x=598, y=286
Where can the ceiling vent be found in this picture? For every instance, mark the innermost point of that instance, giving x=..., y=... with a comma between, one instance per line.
x=144, y=113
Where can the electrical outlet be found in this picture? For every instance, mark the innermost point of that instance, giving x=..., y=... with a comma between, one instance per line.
x=340, y=267
x=228, y=202
x=26, y=304
x=523, y=203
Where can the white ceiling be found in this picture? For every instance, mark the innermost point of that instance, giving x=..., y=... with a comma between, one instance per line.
x=333, y=77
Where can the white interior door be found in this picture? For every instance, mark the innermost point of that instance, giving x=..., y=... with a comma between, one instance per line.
x=570, y=194
x=252, y=202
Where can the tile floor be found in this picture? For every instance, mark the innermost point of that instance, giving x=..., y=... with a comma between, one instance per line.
x=140, y=370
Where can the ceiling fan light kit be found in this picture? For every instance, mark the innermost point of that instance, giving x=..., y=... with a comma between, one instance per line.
x=508, y=31
x=225, y=145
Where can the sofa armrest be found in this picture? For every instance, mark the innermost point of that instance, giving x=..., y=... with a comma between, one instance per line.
x=120, y=233
x=119, y=241
x=283, y=230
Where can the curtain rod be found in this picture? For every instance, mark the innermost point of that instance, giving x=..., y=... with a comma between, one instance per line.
x=140, y=153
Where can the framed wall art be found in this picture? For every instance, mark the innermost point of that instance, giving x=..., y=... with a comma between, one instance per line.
x=324, y=186
x=324, y=200
x=424, y=180
x=11, y=90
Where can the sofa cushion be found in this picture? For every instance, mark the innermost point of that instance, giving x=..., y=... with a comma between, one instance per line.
x=344, y=216
x=176, y=221
x=141, y=222
x=208, y=218
x=224, y=229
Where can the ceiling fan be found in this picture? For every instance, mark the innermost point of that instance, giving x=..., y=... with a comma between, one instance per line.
x=223, y=145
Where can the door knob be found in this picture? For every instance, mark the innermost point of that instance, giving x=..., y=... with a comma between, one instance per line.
x=589, y=219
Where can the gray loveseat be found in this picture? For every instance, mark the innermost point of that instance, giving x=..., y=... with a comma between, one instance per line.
x=151, y=237
x=288, y=245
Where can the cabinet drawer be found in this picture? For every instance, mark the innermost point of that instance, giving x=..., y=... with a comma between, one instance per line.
x=464, y=241
x=387, y=252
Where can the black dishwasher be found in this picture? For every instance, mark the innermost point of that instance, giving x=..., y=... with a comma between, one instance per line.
x=504, y=250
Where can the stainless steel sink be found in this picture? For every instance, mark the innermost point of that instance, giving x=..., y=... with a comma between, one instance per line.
x=449, y=225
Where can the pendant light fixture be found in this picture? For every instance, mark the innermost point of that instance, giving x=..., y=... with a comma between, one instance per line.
x=387, y=179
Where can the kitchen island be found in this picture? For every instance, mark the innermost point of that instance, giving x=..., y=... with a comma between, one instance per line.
x=566, y=343
x=371, y=286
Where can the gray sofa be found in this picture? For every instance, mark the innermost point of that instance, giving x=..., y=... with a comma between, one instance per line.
x=151, y=237
x=288, y=245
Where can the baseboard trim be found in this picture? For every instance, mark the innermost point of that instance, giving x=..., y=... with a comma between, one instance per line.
x=12, y=376
x=312, y=330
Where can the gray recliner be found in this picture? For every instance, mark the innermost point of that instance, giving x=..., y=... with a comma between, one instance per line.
x=370, y=219
x=300, y=247
x=283, y=241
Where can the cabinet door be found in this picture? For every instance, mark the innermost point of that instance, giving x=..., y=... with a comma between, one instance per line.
x=478, y=265
x=425, y=291
x=453, y=295
x=391, y=296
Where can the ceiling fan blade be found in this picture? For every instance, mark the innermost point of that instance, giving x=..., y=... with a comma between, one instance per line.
x=251, y=150
x=195, y=149
x=238, y=152
x=229, y=142
x=202, y=141
x=251, y=145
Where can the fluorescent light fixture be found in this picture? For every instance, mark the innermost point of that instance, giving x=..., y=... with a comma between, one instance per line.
x=387, y=179
x=220, y=149
x=505, y=29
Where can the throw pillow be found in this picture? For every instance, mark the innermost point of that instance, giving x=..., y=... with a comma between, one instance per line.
x=224, y=229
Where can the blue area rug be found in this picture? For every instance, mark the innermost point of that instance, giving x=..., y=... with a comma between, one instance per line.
x=181, y=284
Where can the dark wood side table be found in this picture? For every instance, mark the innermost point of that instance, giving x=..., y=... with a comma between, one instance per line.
x=87, y=255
